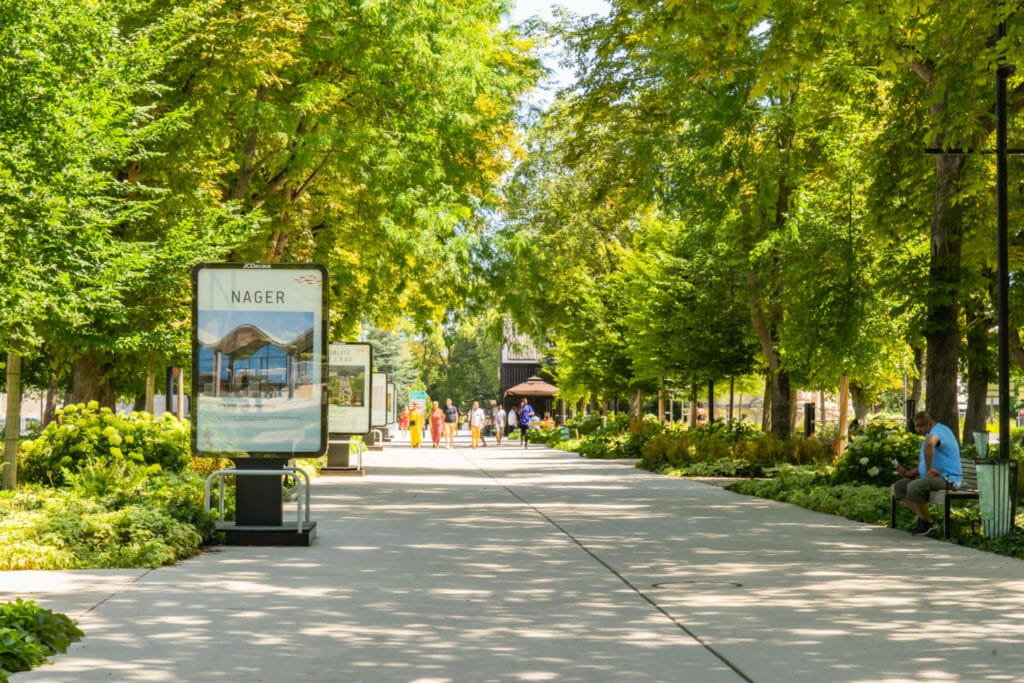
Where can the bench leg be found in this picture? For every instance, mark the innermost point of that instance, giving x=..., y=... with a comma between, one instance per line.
x=945, y=519
x=892, y=511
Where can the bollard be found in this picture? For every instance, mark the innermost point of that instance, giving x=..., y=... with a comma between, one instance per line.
x=808, y=419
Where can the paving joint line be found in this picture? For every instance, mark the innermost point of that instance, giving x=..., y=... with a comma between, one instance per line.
x=633, y=587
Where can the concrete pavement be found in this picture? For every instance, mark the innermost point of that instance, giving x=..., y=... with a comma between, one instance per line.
x=500, y=564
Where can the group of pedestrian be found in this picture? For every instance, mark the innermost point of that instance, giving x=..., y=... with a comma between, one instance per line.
x=443, y=423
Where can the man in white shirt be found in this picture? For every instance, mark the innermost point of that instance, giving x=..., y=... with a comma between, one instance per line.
x=499, y=422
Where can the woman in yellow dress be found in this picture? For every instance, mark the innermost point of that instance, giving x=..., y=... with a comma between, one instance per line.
x=415, y=425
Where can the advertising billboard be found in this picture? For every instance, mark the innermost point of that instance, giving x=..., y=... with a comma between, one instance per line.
x=348, y=380
x=259, y=355
x=379, y=404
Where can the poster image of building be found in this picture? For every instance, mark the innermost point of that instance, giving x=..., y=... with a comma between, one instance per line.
x=256, y=355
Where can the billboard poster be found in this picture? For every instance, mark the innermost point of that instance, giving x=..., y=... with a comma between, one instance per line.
x=392, y=395
x=259, y=356
x=348, y=388
x=378, y=404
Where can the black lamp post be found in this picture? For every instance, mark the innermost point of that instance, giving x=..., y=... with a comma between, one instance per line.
x=1003, y=299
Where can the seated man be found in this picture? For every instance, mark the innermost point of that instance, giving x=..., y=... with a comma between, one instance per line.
x=938, y=463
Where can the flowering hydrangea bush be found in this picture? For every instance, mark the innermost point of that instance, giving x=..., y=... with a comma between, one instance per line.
x=85, y=433
x=869, y=458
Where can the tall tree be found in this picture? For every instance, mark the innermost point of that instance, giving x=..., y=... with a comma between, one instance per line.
x=67, y=84
x=366, y=136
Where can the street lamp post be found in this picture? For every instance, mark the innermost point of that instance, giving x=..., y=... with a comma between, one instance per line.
x=1002, y=224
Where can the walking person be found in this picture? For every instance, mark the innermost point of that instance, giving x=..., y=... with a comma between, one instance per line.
x=436, y=424
x=498, y=417
x=512, y=420
x=415, y=425
x=403, y=422
x=476, y=422
x=526, y=414
x=451, y=422
x=483, y=429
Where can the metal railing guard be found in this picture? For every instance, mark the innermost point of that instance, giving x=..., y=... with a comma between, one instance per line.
x=293, y=472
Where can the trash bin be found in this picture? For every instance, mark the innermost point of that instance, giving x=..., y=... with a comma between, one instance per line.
x=981, y=443
x=997, y=493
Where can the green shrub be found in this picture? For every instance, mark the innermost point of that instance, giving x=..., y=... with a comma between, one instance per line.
x=548, y=437
x=118, y=484
x=600, y=425
x=29, y=634
x=680, y=448
x=61, y=529
x=864, y=503
x=726, y=467
x=84, y=433
x=637, y=435
x=597, y=448
x=666, y=449
x=868, y=458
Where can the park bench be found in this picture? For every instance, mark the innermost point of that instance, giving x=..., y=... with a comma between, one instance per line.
x=968, y=491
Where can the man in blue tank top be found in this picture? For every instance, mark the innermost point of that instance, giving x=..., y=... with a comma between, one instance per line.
x=937, y=464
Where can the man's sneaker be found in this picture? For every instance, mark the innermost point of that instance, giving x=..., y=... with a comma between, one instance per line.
x=922, y=528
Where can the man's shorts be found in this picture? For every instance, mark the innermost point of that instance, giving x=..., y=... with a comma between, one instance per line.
x=449, y=429
x=917, y=490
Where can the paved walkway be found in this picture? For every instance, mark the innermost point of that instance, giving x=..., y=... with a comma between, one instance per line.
x=507, y=565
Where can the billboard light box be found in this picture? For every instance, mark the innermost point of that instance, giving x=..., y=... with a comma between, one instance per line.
x=348, y=377
x=259, y=352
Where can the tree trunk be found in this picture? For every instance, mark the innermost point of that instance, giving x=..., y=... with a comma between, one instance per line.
x=942, y=326
x=661, y=404
x=917, y=383
x=860, y=406
x=844, y=414
x=636, y=405
x=90, y=382
x=150, y=384
x=50, y=408
x=693, y=406
x=766, y=405
x=794, y=411
x=979, y=370
x=12, y=429
x=781, y=402
x=732, y=398
x=767, y=329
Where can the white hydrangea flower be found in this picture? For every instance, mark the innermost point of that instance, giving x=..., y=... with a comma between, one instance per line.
x=864, y=461
x=873, y=471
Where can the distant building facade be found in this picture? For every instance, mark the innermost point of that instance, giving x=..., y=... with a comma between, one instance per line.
x=520, y=360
